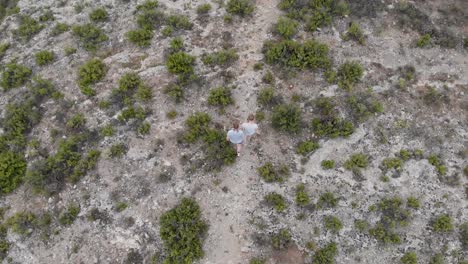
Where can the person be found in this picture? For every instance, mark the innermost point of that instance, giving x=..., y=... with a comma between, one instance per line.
x=250, y=127
x=236, y=136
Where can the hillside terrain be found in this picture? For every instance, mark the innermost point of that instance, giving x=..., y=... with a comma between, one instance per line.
x=114, y=113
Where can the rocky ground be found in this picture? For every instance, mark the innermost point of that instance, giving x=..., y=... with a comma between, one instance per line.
x=152, y=176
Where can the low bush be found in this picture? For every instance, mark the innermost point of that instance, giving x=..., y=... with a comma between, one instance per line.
x=14, y=75
x=84, y=165
x=271, y=173
x=257, y=260
x=327, y=200
x=91, y=72
x=286, y=27
x=138, y=113
x=276, y=201
x=302, y=198
x=12, y=171
x=3, y=48
x=98, y=15
x=332, y=127
x=141, y=37
x=413, y=202
x=180, y=63
x=48, y=15
x=69, y=51
x=305, y=148
x=349, y=73
x=117, y=150
x=150, y=18
x=182, y=231
x=409, y=258
x=59, y=28
x=90, y=36
x=19, y=118
x=28, y=27
x=281, y=240
x=288, y=53
x=144, y=128
x=203, y=9
x=143, y=93
x=363, y=105
x=69, y=215
x=107, y=131
x=463, y=236
x=287, y=118
x=268, y=78
x=241, y=8
x=435, y=161
x=442, y=223
x=357, y=161
x=175, y=92
x=333, y=223
x=361, y=225
x=355, y=33
x=220, y=96
x=198, y=126
x=176, y=44
x=325, y=255
x=222, y=58
x=179, y=22
x=392, y=163
x=266, y=97
x=437, y=259
x=44, y=57
x=76, y=122
x=21, y=223
x=424, y=41
x=327, y=164
x=384, y=234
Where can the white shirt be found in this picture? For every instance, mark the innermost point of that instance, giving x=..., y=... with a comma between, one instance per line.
x=236, y=137
x=249, y=128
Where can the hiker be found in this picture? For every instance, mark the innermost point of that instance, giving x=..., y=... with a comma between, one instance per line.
x=236, y=136
x=250, y=127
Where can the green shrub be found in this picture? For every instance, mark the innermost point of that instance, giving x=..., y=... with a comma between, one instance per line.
x=392, y=163
x=132, y=113
x=12, y=171
x=148, y=5
x=18, y=120
x=277, y=201
x=77, y=121
x=222, y=58
x=424, y=41
x=198, y=125
x=268, y=78
x=442, y=223
x=281, y=240
x=44, y=57
x=302, y=198
x=69, y=51
x=90, y=36
x=356, y=161
x=363, y=105
x=4, y=245
x=435, y=161
x=409, y=258
x=14, y=75
x=288, y=53
x=270, y=173
x=413, y=202
x=327, y=164
x=121, y=206
x=257, y=260
x=332, y=127
x=266, y=97
x=327, y=200
x=361, y=225
x=141, y=37
x=91, y=72
x=143, y=93
x=464, y=235
x=306, y=147
x=42, y=87
x=117, y=150
x=465, y=43
x=384, y=234
x=21, y=222
x=179, y=22
x=349, y=73
x=3, y=48
x=355, y=33
x=167, y=31
x=218, y=151
x=107, y=131
x=150, y=19
x=203, y=9
x=174, y=91
x=84, y=165
x=47, y=16
x=144, y=128
x=326, y=255
x=98, y=15
x=182, y=231
x=286, y=27
x=405, y=155
x=68, y=216
x=333, y=223
x=59, y=28
x=171, y=114
x=286, y=117
x=180, y=63
x=437, y=259
x=176, y=44
x=240, y=7
x=28, y=28
x=220, y=96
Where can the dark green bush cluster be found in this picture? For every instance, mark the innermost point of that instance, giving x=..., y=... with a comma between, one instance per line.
x=14, y=75
x=333, y=223
x=28, y=28
x=332, y=127
x=203, y=9
x=222, y=58
x=118, y=150
x=148, y=18
x=180, y=63
x=89, y=73
x=413, y=202
x=131, y=112
x=76, y=122
x=327, y=164
x=8, y=7
x=435, y=161
x=287, y=118
x=183, y=231
x=266, y=97
x=177, y=22
x=98, y=15
x=141, y=37
x=220, y=96
x=21, y=223
x=302, y=198
x=327, y=200
x=240, y=7
x=68, y=216
x=48, y=15
x=176, y=44
x=198, y=126
x=392, y=163
x=424, y=41
x=277, y=201
x=286, y=27
x=363, y=105
x=409, y=258
x=442, y=223
x=12, y=171
x=59, y=29
x=174, y=91
x=357, y=161
x=304, y=148
x=257, y=261
x=19, y=119
x=326, y=255
x=90, y=36
x=131, y=87
x=355, y=33
x=349, y=73
x=44, y=57
x=292, y=54
x=3, y=48
x=464, y=235
x=271, y=173
x=281, y=240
